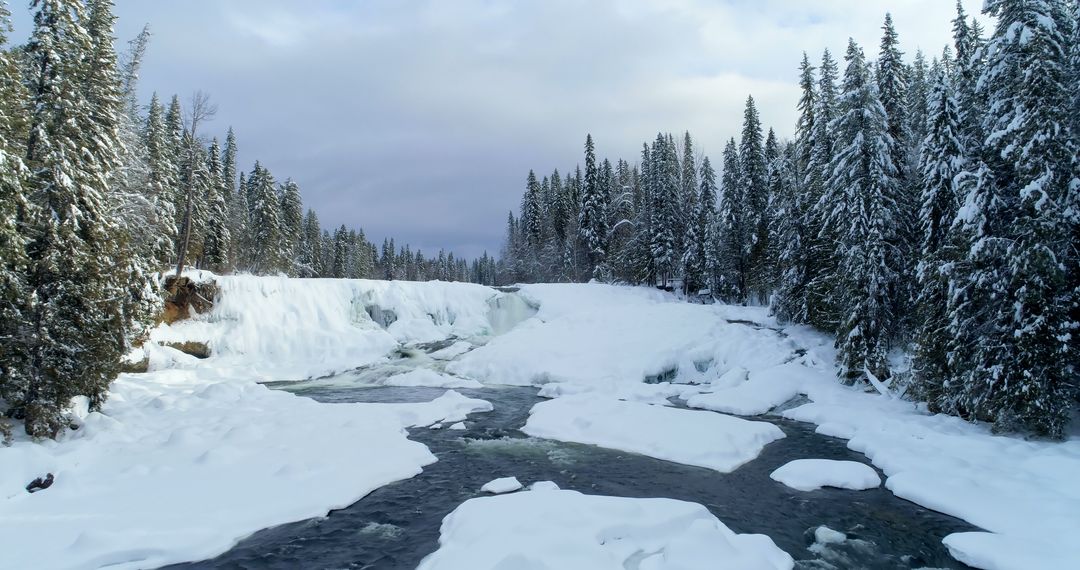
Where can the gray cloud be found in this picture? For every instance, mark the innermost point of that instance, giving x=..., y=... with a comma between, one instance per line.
x=420, y=119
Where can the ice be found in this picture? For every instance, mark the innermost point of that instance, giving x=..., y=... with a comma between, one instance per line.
x=607, y=337
x=567, y=530
x=453, y=351
x=544, y=486
x=458, y=426
x=281, y=329
x=451, y=407
x=826, y=535
x=704, y=439
x=501, y=485
x=429, y=378
x=762, y=391
x=813, y=474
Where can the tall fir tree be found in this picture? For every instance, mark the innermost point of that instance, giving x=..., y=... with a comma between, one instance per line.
x=861, y=222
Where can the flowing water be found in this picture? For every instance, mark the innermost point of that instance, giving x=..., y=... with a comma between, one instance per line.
x=397, y=525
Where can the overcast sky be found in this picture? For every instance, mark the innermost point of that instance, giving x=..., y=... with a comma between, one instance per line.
x=420, y=119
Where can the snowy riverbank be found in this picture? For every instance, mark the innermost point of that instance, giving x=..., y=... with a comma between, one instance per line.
x=190, y=457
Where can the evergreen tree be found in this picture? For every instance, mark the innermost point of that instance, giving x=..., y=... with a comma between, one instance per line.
x=821, y=261
x=162, y=179
x=592, y=221
x=267, y=256
x=860, y=223
x=218, y=239
x=1012, y=288
x=942, y=162
x=755, y=194
x=292, y=220
x=733, y=230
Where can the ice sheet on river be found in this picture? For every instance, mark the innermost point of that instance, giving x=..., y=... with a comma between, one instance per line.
x=704, y=439
x=547, y=529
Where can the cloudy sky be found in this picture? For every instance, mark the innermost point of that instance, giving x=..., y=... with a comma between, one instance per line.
x=420, y=119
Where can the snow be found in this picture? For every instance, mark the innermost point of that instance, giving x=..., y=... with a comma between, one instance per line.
x=458, y=426
x=501, y=485
x=451, y=407
x=429, y=378
x=605, y=338
x=567, y=530
x=453, y=351
x=138, y=483
x=704, y=439
x=760, y=392
x=813, y=474
x=279, y=328
x=826, y=535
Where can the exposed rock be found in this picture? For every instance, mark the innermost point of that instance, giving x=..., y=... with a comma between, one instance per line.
x=385, y=317
x=192, y=347
x=136, y=367
x=185, y=298
x=41, y=483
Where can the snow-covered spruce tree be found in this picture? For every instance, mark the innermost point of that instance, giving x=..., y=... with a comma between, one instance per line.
x=755, y=200
x=163, y=178
x=894, y=92
x=783, y=219
x=919, y=84
x=733, y=220
x=195, y=186
x=664, y=207
x=1016, y=369
x=340, y=255
x=692, y=237
x=702, y=258
x=310, y=252
x=77, y=321
x=793, y=255
x=267, y=256
x=218, y=242
x=821, y=261
x=943, y=159
x=15, y=299
x=592, y=220
x=967, y=69
x=292, y=220
x=860, y=223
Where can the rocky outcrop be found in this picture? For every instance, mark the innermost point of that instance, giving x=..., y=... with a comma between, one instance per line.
x=185, y=297
x=194, y=348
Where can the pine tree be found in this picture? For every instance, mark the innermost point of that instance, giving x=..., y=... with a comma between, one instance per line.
x=821, y=261
x=793, y=255
x=267, y=256
x=292, y=220
x=163, y=180
x=664, y=208
x=943, y=159
x=592, y=221
x=861, y=224
x=218, y=242
x=755, y=196
x=1013, y=287
x=15, y=299
x=77, y=321
x=696, y=259
x=732, y=230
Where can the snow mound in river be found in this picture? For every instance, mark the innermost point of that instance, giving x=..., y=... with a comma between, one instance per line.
x=566, y=530
x=813, y=474
x=704, y=439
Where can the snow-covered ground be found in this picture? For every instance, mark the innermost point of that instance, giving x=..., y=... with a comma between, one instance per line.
x=198, y=440
x=547, y=528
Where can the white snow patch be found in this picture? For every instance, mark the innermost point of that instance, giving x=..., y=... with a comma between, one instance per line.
x=704, y=439
x=762, y=391
x=813, y=474
x=458, y=426
x=451, y=407
x=501, y=485
x=182, y=464
x=453, y=351
x=567, y=530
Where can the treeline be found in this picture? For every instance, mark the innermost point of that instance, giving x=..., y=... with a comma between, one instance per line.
x=99, y=195
x=927, y=206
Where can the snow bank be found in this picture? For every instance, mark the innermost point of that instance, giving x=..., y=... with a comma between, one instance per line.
x=285, y=328
x=181, y=464
x=501, y=485
x=813, y=474
x=605, y=337
x=566, y=530
x=760, y=392
x=1026, y=493
x=704, y=439
x=451, y=407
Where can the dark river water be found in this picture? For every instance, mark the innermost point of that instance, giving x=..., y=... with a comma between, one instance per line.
x=397, y=525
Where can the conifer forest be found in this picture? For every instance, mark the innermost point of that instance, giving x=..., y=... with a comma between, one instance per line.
x=847, y=342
